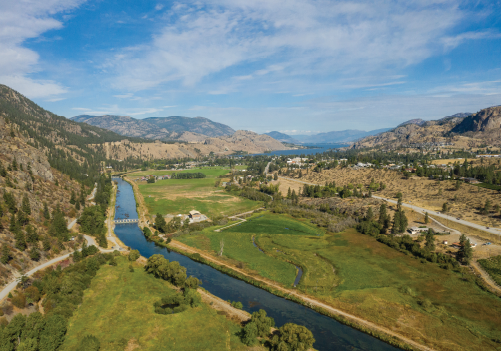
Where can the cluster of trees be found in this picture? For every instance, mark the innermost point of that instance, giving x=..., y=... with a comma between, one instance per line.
x=173, y=272
x=290, y=336
x=182, y=175
x=250, y=193
x=173, y=226
x=369, y=225
x=63, y=291
x=91, y=222
x=178, y=302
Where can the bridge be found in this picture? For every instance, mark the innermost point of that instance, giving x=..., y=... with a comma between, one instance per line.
x=125, y=220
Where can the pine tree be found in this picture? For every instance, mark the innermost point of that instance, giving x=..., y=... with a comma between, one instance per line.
x=430, y=240
x=289, y=193
x=426, y=218
x=26, y=207
x=46, y=243
x=14, y=164
x=31, y=234
x=403, y=222
x=73, y=198
x=14, y=227
x=465, y=252
x=5, y=254
x=20, y=241
x=396, y=223
x=77, y=206
x=46, y=213
x=370, y=215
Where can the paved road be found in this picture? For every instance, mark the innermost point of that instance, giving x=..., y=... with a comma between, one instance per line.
x=421, y=210
x=444, y=216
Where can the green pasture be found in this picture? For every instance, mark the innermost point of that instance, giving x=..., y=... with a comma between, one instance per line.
x=210, y=172
x=358, y=274
x=268, y=223
x=174, y=196
x=238, y=248
x=493, y=267
x=119, y=306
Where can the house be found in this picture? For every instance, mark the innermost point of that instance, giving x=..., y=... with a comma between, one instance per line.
x=417, y=230
x=195, y=215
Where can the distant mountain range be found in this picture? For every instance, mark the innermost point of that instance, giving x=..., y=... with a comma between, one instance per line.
x=342, y=136
x=157, y=128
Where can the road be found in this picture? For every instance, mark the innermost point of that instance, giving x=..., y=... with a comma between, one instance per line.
x=444, y=216
x=267, y=169
x=421, y=210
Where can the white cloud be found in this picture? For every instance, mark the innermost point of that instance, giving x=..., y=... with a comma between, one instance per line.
x=291, y=38
x=117, y=110
x=21, y=20
x=159, y=7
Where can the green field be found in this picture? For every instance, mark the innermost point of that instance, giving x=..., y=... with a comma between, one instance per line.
x=356, y=273
x=174, y=196
x=119, y=306
x=210, y=172
x=275, y=224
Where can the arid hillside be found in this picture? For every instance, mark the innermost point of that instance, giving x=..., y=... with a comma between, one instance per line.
x=27, y=182
x=464, y=203
x=455, y=132
x=245, y=141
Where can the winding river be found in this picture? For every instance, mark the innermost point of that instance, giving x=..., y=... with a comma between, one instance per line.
x=329, y=334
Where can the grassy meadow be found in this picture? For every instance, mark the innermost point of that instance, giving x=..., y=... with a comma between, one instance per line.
x=118, y=308
x=356, y=273
x=174, y=196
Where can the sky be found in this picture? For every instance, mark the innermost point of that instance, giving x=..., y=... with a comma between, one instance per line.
x=298, y=67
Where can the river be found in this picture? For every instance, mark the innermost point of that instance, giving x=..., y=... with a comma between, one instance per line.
x=314, y=149
x=329, y=334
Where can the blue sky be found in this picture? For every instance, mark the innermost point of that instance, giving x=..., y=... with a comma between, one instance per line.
x=299, y=67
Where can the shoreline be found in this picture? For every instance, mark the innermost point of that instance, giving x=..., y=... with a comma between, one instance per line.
x=367, y=327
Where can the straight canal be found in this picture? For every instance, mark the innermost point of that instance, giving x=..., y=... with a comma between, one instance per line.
x=329, y=334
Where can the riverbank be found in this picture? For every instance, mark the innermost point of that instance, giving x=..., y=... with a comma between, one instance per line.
x=358, y=323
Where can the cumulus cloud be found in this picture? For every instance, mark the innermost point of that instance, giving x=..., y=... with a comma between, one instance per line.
x=21, y=20
x=291, y=38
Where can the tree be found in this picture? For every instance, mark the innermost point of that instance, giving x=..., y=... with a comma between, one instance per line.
x=134, y=255
x=370, y=215
x=46, y=243
x=160, y=223
x=5, y=254
x=20, y=241
x=430, y=240
x=73, y=199
x=426, y=218
x=192, y=297
x=249, y=334
x=33, y=293
x=53, y=334
x=89, y=343
x=384, y=218
x=457, y=186
x=487, y=207
x=275, y=176
x=465, y=252
x=26, y=205
x=263, y=322
x=58, y=227
x=445, y=207
x=35, y=253
x=293, y=337
x=46, y=213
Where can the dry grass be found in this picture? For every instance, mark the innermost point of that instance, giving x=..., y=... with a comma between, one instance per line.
x=430, y=194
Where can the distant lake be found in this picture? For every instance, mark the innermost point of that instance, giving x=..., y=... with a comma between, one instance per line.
x=315, y=149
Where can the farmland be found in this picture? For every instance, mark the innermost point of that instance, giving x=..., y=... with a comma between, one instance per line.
x=118, y=310
x=175, y=196
x=362, y=276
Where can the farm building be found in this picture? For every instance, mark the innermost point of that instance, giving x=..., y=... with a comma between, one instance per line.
x=195, y=215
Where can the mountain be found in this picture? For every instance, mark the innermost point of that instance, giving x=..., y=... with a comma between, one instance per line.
x=462, y=130
x=157, y=128
x=417, y=121
x=71, y=147
x=284, y=138
x=342, y=136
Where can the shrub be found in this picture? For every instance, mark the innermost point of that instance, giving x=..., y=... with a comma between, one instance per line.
x=33, y=293
x=249, y=334
x=19, y=300
x=134, y=255
x=89, y=343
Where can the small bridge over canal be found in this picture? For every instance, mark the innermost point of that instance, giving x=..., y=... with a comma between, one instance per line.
x=125, y=220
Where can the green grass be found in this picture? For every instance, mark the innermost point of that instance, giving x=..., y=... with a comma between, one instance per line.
x=174, y=196
x=238, y=247
x=268, y=223
x=119, y=305
x=212, y=172
x=356, y=273
x=493, y=267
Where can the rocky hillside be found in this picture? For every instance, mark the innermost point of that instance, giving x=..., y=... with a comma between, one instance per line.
x=459, y=131
x=157, y=128
x=27, y=182
x=338, y=136
x=65, y=142
x=240, y=141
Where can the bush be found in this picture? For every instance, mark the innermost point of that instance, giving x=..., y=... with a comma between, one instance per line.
x=249, y=334
x=134, y=255
x=192, y=297
x=292, y=337
x=263, y=323
x=19, y=300
x=89, y=343
x=33, y=293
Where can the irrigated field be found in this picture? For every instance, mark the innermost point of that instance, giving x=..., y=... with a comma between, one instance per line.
x=179, y=196
x=356, y=273
x=118, y=308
